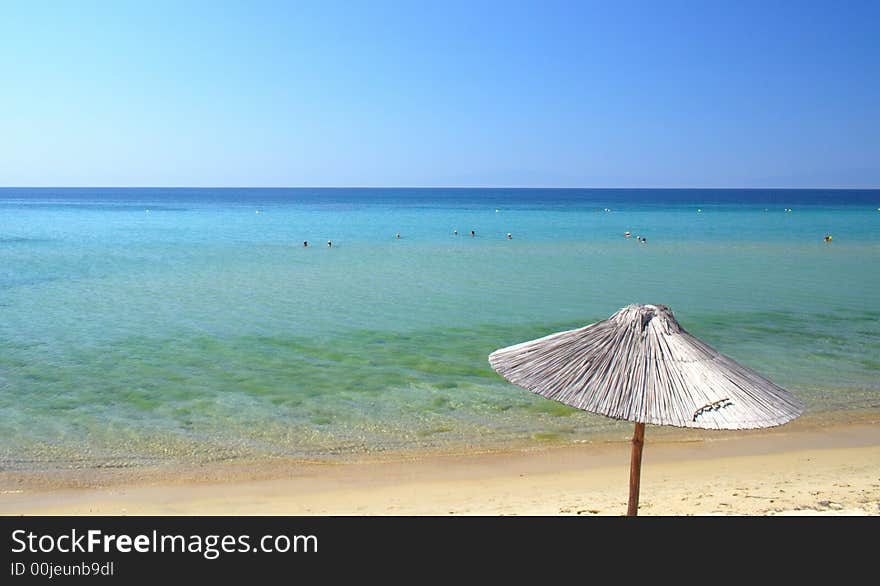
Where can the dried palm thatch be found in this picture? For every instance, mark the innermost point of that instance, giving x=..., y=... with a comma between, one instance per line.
x=641, y=365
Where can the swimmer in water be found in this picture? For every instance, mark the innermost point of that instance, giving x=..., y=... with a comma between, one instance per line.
x=473, y=233
x=398, y=236
x=455, y=232
x=330, y=244
x=828, y=238
x=305, y=243
x=509, y=236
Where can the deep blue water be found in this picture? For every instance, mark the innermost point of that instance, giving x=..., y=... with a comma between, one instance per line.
x=454, y=197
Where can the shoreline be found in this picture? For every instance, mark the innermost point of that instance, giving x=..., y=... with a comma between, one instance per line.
x=801, y=468
x=271, y=468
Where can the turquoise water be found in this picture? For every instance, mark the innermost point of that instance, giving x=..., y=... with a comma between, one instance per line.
x=153, y=326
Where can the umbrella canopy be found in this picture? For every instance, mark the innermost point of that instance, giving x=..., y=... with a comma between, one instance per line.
x=642, y=366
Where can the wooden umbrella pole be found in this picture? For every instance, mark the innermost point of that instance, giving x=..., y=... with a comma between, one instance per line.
x=635, y=470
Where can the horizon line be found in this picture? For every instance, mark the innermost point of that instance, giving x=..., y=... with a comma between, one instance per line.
x=425, y=187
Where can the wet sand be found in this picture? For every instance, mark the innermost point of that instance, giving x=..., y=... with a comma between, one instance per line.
x=792, y=470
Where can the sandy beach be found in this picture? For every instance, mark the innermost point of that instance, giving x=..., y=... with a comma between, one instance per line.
x=800, y=469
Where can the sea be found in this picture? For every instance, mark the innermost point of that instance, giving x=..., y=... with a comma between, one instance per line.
x=144, y=327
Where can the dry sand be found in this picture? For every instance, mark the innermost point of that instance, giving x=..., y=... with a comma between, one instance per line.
x=831, y=470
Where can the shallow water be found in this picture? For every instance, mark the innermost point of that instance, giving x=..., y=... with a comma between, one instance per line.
x=144, y=326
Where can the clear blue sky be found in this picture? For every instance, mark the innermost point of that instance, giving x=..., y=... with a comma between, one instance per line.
x=567, y=94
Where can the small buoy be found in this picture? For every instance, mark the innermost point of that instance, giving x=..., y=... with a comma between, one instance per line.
x=258, y=211
x=497, y=210
x=148, y=211
x=699, y=211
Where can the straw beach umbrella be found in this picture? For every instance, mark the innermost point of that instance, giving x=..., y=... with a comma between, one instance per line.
x=640, y=365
